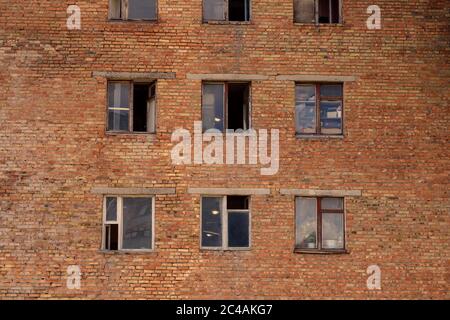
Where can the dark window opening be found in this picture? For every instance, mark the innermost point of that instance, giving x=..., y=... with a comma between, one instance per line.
x=237, y=202
x=237, y=106
x=239, y=10
x=140, y=101
x=324, y=11
x=112, y=237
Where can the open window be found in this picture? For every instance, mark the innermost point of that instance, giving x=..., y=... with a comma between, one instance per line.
x=226, y=106
x=225, y=223
x=128, y=223
x=132, y=9
x=319, y=109
x=318, y=11
x=131, y=107
x=226, y=10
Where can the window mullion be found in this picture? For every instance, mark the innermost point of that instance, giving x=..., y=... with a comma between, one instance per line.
x=225, y=107
x=316, y=11
x=318, y=124
x=224, y=224
x=131, y=106
x=120, y=221
x=319, y=224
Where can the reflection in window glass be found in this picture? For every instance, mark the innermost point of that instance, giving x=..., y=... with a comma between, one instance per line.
x=332, y=231
x=332, y=203
x=212, y=107
x=306, y=223
x=118, y=120
x=305, y=108
x=238, y=229
x=118, y=95
x=137, y=223
x=111, y=209
x=331, y=90
x=211, y=222
x=142, y=9
x=331, y=117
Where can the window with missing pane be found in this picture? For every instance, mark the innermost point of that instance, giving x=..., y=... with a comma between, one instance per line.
x=226, y=10
x=320, y=224
x=319, y=109
x=225, y=223
x=318, y=11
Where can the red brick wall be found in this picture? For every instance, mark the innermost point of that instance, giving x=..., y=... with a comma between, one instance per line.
x=54, y=150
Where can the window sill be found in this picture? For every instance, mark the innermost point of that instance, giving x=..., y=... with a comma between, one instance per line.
x=203, y=249
x=319, y=136
x=312, y=24
x=120, y=21
x=316, y=251
x=127, y=133
x=227, y=22
x=126, y=252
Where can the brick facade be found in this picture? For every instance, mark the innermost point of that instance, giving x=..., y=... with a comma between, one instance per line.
x=54, y=150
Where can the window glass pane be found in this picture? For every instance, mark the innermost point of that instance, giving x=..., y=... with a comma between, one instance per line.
x=305, y=115
x=238, y=229
x=305, y=109
x=331, y=117
x=213, y=10
x=118, y=120
x=137, y=223
x=304, y=11
x=332, y=231
x=142, y=9
x=111, y=209
x=331, y=90
x=237, y=202
x=118, y=94
x=211, y=222
x=332, y=203
x=212, y=108
x=238, y=10
x=306, y=222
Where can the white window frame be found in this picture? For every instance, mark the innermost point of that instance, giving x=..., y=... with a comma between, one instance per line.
x=119, y=222
x=224, y=221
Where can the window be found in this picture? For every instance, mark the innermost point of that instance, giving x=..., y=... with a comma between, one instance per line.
x=132, y=9
x=225, y=222
x=226, y=10
x=319, y=224
x=226, y=106
x=131, y=107
x=318, y=109
x=128, y=223
x=317, y=11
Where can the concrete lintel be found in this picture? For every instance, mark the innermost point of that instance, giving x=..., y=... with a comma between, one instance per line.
x=321, y=193
x=226, y=77
x=133, y=191
x=316, y=78
x=112, y=75
x=229, y=191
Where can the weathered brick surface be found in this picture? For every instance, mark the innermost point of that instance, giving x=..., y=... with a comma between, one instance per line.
x=54, y=150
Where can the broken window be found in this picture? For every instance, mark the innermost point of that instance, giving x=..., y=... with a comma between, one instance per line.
x=226, y=10
x=226, y=106
x=128, y=223
x=317, y=11
x=319, y=223
x=319, y=109
x=225, y=222
x=131, y=106
x=132, y=9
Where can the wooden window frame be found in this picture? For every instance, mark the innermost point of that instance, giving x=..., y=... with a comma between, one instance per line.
x=225, y=102
x=226, y=14
x=316, y=14
x=124, y=12
x=319, y=227
x=119, y=222
x=224, y=222
x=131, y=83
x=318, y=99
